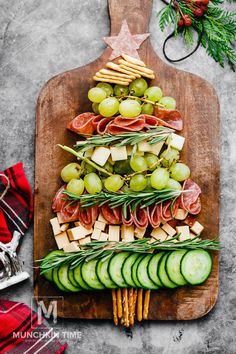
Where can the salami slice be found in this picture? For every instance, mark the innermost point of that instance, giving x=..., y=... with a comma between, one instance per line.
x=83, y=123
x=140, y=217
x=112, y=215
x=122, y=125
x=88, y=216
x=169, y=210
x=103, y=125
x=169, y=117
x=190, y=200
x=59, y=200
x=68, y=212
x=154, y=215
x=128, y=221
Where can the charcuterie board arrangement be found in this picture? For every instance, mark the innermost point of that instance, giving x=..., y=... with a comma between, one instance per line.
x=128, y=216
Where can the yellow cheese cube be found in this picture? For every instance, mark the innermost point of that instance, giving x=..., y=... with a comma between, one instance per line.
x=100, y=155
x=197, y=228
x=72, y=247
x=65, y=226
x=168, y=229
x=127, y=233
x=144, y=146
x=114, y=233
x=102, y=219
x=181, y=214
x=184, y=232
x=176, y=141
x=79, y=232
x=103, y=236
x=139, y=233
x=159, y=234
x=156, y=148
x=62, y=240
x=85, y=240
x=152, y=239
x=55, y=226
x=96, y=234
x=118, y=153
x=99, y=225
x=60, y=218
x=89, y=152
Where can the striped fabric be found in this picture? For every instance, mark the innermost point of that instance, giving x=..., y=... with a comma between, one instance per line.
x=24, y=333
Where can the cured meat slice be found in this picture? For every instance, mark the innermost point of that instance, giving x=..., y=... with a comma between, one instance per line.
x=59, y=199
x=190, y=220
x=140, y=217
x=169, y=117
x=154, y=215
x=96, y=120
x=169, y=210
x=122, y=125
x=88, y=216
x=128, y=221
x=68, y=211
x=190, y=200
x=83, y=123
x=112, y=215
x=103, y=124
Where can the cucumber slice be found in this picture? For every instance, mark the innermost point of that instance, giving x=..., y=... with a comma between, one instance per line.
x=78, y=278
x=153, y=267
x=48, y=274
x=88, y=272
x=103, y=274
x=115, y=268
x=196, y=266
x=163, y=275
x=173, y=267
x=126, y=269
x=142, y=274
x=64, y=279
x=56, y=280
x=72, y=279
x=134, y=271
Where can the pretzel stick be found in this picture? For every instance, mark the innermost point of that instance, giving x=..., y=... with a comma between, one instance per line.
x=119, y=303
x=131, y=305
x=140, y=305
x=126, y=307
x=146, y=304
x=135, y=301
x=114, y=303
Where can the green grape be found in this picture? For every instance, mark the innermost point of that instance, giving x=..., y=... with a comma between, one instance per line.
x=88, y=169
x=109, y=107
x=172, y=184
x=125, y=189
x=138, y=164
x=168, y=102
x=153, y=93
x=138, y=183
x=148, y=186
x=120, y=90
x=159, y=178
x=106, y=87
x=108, y=167
x=122, y=167
x=129, y=108
x=147, y=108
x=92, y=183
x=70, y=171
x=151, y=159
x=95, y=107
x=75, y=186
x=113, y=183
x=96, y=94
x=169, y=156
x=138, y=87
x=180, y=172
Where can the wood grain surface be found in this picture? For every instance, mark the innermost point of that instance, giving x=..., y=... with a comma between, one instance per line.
x=61, y=99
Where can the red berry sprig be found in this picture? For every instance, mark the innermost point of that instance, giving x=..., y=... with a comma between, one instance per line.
x=197, y=7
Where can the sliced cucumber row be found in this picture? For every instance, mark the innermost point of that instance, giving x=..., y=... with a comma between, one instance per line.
x=125, y=269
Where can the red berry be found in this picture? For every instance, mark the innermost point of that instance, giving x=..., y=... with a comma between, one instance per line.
x=204, y=8
x=180, y=22
x=198, y=2
x=198, y=12
x=187, y=21
x=205, y=2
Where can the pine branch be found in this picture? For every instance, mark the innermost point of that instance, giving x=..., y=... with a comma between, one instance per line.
x=167, y=16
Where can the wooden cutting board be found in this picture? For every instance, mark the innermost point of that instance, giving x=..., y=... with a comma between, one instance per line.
x=61, y=99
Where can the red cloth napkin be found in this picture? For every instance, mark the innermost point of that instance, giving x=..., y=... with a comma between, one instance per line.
x=21, y=331
x=16, y=207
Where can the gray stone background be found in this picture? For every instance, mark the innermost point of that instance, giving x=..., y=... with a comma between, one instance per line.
x=40, y=38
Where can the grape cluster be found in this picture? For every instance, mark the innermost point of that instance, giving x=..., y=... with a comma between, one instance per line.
x=129, y=101
x=197, y=7
x=138, y=173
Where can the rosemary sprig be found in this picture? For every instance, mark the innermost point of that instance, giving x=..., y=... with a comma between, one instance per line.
x=105, y=249
x=154, y=136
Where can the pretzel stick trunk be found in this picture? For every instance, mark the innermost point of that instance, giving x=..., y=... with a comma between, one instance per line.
x=140, y=305
x=119, y=303
x=126, y=307
x=146, y=304
x=131, y=305
x=114, y=303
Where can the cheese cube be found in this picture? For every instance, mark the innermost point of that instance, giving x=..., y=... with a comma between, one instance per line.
x=159, y=234
x=139, y=153
x=102, y=219
x=144, y=146
x=99, y=225
x=168, y=229
x=85, y=240
x=171, y=239
x=60, y=218
x=139, y=233
x=55, y=226
x=156, y=148
x=176, y=141
x=62, y=240
x=152, y=239
x=193, y=236
x=127, y=233
x=100, y=155
x=96, y=234
x=129, y=149
x=72, y=247
x=77, y=223
x=76, y=233
x=184, y=232
x=89, y=152
x=197, y=228
x=118, y=153
x=114, y=233
x=181, y=214
x=103, y=236
x=65, y=226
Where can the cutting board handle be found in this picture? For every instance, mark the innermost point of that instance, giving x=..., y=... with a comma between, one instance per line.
x=136, y=12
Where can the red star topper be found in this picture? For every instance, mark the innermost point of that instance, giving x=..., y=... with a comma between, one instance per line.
x=125, y=42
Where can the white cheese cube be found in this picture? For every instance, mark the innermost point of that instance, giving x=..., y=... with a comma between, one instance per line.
x=60, y=218
x=171, y=239
x=103, y=236
x=118, y=153
x=89, y=152
x=65, y=226
x=181, y=214
x=152, y=239
x=176, y=141
x=96, y=234
x=85, y=240
x=156, y=148
x=62, y=240
x=100, y=155
x=159, y=234
x=168, y=229
x=144, y=146
x=139, y=233
x=114, y=233
x=99, y=225
x=127, y=233
x=193, y=236
x=184, y=232
x=197, y=228
x=55, y=226
x=72, y=247
x=79, y=232
x=102, y=219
